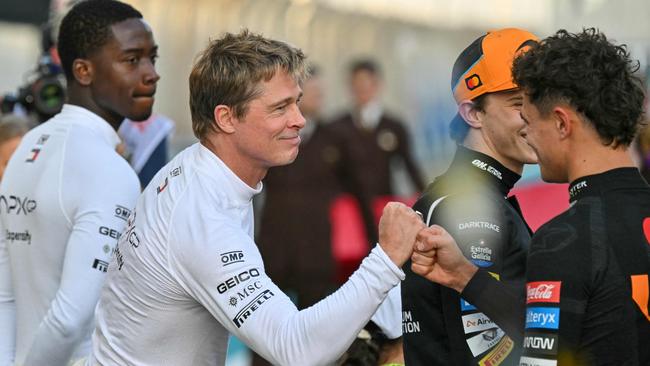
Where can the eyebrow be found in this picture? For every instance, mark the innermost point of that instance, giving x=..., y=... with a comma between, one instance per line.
x=515, y=98
x=285, y=101
x=154, y=49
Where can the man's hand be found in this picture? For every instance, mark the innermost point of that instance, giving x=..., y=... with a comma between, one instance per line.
x=438, y=259
x=398, y=227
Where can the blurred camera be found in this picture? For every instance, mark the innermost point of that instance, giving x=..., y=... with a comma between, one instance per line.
x=43, y=95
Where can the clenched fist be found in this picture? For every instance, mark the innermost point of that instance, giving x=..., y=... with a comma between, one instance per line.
x=438, y=259
x=398, y=228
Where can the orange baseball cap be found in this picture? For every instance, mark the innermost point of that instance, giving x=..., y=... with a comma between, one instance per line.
x=485, y=66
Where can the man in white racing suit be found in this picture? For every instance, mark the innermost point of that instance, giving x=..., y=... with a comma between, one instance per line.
x=66, y=194
x=187, y=271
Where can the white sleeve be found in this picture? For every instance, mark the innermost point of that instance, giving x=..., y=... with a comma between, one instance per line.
x=389, y=315
x=96, y=226
x=232, y=285
x=7, y=307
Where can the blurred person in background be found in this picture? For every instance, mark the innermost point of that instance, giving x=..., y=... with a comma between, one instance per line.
x=376, y=140
x=440, y=327
x=304, y=189
x=12, y=130
x=66, y=193
x=588, y=268
x=187, y=269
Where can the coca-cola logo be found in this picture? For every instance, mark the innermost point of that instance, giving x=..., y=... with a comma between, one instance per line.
x=547, y=291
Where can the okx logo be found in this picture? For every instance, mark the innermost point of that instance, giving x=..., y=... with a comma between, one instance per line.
x=546, y=318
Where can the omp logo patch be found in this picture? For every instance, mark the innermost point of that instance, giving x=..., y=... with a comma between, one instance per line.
x=228, y=258
x=546, y=318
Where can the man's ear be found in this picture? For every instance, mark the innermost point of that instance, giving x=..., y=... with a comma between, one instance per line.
x=83, y=71
x=471, y=115
x=564, y=120
x=224, y=118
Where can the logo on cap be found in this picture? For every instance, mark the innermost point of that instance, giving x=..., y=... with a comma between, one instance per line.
x=473, y=81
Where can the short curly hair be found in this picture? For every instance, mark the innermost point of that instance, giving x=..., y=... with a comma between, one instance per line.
x=87, y=27
x=591, y=74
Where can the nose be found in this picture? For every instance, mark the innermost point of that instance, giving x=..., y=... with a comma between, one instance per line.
x=297, y=120
x=150, y=76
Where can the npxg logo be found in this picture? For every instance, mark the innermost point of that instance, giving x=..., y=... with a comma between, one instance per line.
x=546, y=318
x=547, y=291
x=235, y=280
x=251, y=307
x=236, y=256
x=17, y=205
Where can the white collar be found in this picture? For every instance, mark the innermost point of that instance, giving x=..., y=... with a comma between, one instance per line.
x=239, y=190
x=90, y=120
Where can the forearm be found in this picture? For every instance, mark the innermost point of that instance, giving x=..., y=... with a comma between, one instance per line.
x=502, y=302
x=299, y=338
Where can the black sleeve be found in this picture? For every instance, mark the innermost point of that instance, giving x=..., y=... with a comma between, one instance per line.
x=435, y=330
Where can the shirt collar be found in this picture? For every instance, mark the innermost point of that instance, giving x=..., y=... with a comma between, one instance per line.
x=596, y=184
x=238, y=189
x=475, y=165
x=86, y=118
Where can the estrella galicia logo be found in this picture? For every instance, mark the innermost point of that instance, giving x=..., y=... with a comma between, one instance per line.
x=100, y=265
x=251, y=307
x=545, y=318
x=473, y=81
x=228, y=258
x=122, y=212
x=16, y=205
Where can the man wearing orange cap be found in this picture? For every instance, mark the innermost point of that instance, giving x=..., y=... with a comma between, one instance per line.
x=439, y=327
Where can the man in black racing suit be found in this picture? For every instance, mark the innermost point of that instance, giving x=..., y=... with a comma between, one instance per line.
x=469, y=199
x=587, y=271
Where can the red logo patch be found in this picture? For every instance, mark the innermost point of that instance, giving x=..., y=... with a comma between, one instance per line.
x=543, y=291
x=646, y=229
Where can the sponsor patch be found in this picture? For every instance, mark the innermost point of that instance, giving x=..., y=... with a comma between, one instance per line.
x=473, y=81
x=111, y=233
x=488, y=168
x=532, y=361
x=251, y=307
x=33, y=155
x=479, y=225
x=544, y=344
x=408, y=324
x=545, y=318
x=122, y=212
x=24, y=236
x=484, y=341
x=228, y=258
x=465, y=306
x=237, y=279
x=499, y=353
x=543, y=291
x=17, y=205
x=162, y=186
x=477, y=322
x=480, y=254
x=100, y=265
